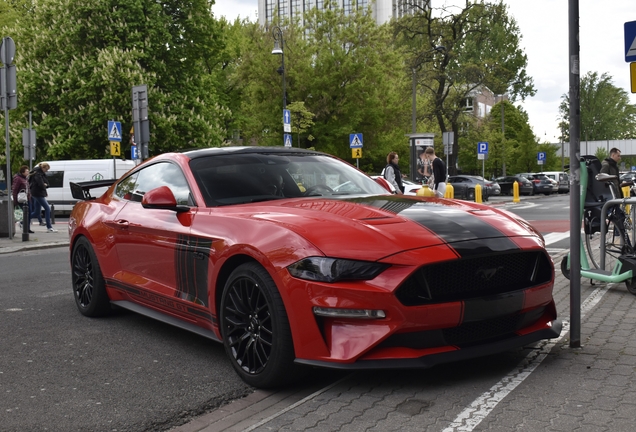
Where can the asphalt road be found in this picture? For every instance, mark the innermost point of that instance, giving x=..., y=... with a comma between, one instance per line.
x=61, y=371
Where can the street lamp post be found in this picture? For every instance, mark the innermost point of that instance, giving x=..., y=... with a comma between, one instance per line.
x=277, y=33
x=503, y=139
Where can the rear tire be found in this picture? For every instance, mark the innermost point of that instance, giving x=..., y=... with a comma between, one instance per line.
x=89, y=288
x=255, y=329
x=631, y=285
x=470, y=195
x=564, y=267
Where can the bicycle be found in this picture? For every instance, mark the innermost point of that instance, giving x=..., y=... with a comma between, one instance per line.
x=616, y=261
x=618, y=224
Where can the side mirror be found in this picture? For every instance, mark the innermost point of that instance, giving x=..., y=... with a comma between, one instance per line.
x=162, y=198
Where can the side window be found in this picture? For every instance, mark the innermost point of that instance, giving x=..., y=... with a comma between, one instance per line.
x=126, y=187
x=55, y=179
x=162, y=174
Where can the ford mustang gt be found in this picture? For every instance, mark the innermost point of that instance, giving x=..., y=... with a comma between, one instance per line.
x=293, y=258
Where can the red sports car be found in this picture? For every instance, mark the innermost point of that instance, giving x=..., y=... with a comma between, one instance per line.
x=293, y=257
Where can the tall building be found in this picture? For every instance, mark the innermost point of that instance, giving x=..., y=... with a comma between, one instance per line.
x=383, y=10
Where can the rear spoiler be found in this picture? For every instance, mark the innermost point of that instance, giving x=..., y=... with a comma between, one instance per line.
x=81, y=191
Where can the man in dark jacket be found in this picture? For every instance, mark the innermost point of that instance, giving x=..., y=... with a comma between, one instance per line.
x=38, y=184
x=610, y=166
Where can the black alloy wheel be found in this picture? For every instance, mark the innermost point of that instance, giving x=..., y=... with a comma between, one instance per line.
x=89, y=288
x=255, y=328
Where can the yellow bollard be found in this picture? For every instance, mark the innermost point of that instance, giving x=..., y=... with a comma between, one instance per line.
x=425, y=191
x=627, y=191
x=450, y=191
x=478, y=193
x=515, y=192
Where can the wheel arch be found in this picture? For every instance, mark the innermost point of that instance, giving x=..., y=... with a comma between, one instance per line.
x=224, y=273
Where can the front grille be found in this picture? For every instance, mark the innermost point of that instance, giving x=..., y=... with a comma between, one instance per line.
x=473, y=277
x=467, y=334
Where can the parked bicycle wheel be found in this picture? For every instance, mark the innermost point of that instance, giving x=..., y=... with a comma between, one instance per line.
x=614, y=245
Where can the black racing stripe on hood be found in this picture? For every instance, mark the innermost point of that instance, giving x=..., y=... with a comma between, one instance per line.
x=467, y=233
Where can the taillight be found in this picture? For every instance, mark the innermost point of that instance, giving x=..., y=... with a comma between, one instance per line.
x=536, y=181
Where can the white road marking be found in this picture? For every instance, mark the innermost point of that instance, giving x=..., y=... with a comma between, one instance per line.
x=554, y=237
x=470, y=417
x=518, y=206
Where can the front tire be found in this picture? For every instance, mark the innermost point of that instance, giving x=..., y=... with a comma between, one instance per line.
x=255, y=328
x=89, y=289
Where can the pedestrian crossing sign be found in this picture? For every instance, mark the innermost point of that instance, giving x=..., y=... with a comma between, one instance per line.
x=355, y=140
x=356, y=153
x=114, y=130
x=287, y=140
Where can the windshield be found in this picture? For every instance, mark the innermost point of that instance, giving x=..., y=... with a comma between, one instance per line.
x=252, y=177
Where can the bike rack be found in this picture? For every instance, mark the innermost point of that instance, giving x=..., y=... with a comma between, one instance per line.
x=617, y=201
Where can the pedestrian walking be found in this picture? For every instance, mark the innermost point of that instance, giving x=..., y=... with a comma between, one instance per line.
x=38, y=184
x=392, y=172
x=439, y=171
x=610, y=166
x=20, y=183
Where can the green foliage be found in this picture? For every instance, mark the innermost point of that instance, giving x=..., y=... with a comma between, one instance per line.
x=341, y=66
x=601, y=153
x=606, y=111
x=79, y=60
x=482, y=50
x=301, y=119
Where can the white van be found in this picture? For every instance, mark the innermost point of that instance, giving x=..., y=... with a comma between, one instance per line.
x=65, y=171
x=562, y=178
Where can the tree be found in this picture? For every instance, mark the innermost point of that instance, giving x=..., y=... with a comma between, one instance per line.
x=482, y=49
x=301, y=119
x=606, y=112
x=78, y=62
x=341, y=65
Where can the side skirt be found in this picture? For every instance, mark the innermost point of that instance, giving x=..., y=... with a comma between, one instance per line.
x=151, y=313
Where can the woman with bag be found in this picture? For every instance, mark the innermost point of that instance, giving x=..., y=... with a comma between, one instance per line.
x=39, y=183
x=20, y=191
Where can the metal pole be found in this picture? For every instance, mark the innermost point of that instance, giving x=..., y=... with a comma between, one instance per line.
x=575, y=170
x=31, y=145
x=414, y=104
x=503, y=139
x=8, y=175
x=282, y=59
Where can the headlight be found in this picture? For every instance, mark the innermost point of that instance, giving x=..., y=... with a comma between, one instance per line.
x=325, y=269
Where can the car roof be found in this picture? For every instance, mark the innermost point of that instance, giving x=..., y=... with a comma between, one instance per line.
x=215, y=151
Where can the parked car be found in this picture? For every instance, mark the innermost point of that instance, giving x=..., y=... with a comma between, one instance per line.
x=561, y=178
x=630, y=175
x=541, y=183
x=253, y=248
x=62, y=172
x=464, y=186
x=493, y=188
x=507, y=183
x=410, y=188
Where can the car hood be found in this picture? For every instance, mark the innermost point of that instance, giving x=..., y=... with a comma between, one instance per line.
x=376, y=227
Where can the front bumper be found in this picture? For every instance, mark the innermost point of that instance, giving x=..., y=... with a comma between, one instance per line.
x=456, y=354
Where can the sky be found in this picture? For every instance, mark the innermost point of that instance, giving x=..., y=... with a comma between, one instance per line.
x=543, y=25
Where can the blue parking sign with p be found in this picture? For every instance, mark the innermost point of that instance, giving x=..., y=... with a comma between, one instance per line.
x=482, y=148
x=541, y=156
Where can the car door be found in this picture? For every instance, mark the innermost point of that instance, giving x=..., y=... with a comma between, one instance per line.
x=148, y=240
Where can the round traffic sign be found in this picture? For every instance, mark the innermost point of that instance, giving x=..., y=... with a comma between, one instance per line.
x=7, y=51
